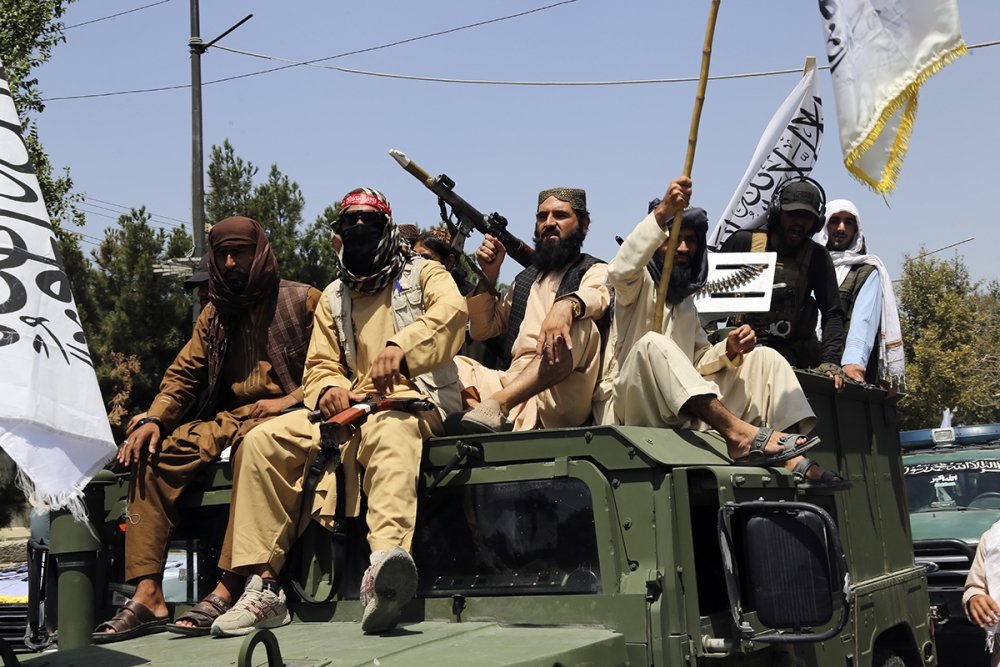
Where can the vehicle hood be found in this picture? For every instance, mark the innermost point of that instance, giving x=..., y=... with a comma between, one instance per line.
x=966, y=525
x=342, y=644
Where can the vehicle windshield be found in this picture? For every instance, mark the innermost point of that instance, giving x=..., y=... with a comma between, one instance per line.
x=953, y=485
x=508, y=538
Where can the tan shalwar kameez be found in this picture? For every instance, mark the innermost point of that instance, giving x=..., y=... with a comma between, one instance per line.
x=247, y=376
x=382, y=459
x=650, y=376
x=562, y=405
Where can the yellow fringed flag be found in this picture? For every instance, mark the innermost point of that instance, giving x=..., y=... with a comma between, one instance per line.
x=880, y=52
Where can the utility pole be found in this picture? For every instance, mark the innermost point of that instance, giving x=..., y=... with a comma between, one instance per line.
x=197, y=47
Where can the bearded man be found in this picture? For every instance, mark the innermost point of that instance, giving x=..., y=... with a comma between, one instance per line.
x=549, y=322
x=245, y=361
x=873, y=350
x=805, y=285
x=388, y=326
x=666, y=374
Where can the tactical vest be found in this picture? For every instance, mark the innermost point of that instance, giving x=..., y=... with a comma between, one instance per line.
x=790, y=325
x=849, y=291
x=522, y=287
x=440, y=384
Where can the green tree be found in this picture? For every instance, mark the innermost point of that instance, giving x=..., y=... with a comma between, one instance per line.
x=303, y=252
x=230, y=184
x=945, y=316
x=147, y=312
x=29, y=30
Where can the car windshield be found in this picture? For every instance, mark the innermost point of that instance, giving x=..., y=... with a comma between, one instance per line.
x=508, y=538
x=953, y=485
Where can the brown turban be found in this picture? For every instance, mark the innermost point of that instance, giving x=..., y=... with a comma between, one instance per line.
x=263, y=275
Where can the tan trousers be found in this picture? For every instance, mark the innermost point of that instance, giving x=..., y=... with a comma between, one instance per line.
x=565, y=404
x=657, y=379
x=383, y=460
x=152, y=514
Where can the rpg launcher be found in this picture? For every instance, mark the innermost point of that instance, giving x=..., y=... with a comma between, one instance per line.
x=468, y=216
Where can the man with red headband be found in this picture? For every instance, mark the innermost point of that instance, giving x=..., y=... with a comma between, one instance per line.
x=389, y=326
x=244, y=362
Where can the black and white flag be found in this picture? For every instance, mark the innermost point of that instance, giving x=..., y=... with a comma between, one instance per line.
x=53, y=422
x=787, y=149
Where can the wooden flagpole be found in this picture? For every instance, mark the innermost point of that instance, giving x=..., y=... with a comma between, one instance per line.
x=675, y=229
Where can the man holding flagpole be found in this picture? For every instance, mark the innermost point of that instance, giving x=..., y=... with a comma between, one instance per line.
x=244, y=365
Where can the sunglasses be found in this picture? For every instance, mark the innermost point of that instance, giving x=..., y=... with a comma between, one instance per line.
x=352, y=218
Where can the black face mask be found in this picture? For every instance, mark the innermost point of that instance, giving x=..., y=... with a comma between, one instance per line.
x=360, y=244
x=236, y=279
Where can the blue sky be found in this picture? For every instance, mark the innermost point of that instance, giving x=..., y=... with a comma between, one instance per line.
x=330, y=131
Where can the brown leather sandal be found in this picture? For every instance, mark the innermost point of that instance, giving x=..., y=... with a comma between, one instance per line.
x=202, y=615
x=134, y=619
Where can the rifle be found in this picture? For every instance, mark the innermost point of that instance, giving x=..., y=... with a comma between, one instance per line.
x=340, y=427
x=468, y=216
x=356, y=415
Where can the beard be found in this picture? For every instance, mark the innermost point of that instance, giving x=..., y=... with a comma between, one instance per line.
x=237, y=279
x=679, y=275
x=550, y=254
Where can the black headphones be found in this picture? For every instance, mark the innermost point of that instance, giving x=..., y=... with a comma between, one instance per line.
x=774, y=210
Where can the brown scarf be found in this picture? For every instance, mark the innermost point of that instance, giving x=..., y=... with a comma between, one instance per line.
x=263, y=278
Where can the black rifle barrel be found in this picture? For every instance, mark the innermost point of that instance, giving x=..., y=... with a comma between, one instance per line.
x=494, y=224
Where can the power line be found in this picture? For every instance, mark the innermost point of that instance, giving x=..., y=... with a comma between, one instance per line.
x=88, y=199
x=111, y=16
x=118, y=215
x=318, y=60
x=487, y=82
x=490, y=82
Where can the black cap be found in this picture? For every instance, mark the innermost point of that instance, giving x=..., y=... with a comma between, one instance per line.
x=801, y=196
x=200, y=275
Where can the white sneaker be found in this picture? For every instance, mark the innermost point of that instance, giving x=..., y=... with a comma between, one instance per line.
x=257, y=608
x=386, y=587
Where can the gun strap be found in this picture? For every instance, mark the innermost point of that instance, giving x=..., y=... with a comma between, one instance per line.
x=328, y=451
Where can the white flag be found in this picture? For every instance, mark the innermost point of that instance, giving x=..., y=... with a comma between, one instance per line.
x=880, y=52
x=786, y=150
x=52, y=419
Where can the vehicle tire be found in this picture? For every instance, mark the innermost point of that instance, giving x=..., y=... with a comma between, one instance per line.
x=887, y=657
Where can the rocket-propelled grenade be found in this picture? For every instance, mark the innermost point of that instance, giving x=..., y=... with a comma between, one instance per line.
x=469, y=217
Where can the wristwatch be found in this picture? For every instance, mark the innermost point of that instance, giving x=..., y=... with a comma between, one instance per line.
x=577, y=306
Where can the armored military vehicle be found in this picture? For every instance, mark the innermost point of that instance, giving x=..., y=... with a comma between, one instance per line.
x=953, y=490
x=586, y=546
